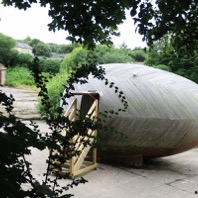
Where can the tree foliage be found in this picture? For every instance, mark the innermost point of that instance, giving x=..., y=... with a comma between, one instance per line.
x=177, y=18
x=45, y=49
x=32, y=42
x=162, y=55
x=6, y=52
x=41, y=49
x=100, y=55
x=90, y=21
x=163, y=52
x=49, y=65
x=23, y=60
x=64, y=49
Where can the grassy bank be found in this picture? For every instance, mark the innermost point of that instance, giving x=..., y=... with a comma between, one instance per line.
x=19, y=77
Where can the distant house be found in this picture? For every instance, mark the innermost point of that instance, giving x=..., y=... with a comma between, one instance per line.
x=23, y=48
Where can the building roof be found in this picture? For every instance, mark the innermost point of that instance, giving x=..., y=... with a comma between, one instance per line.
x=23, y=46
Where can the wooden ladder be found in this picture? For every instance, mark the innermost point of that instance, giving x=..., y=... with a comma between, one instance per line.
x=78, y=164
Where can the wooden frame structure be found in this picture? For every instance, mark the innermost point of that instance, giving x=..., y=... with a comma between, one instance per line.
x=79, y=164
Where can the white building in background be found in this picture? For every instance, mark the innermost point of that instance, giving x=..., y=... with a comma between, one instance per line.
x=23, y=48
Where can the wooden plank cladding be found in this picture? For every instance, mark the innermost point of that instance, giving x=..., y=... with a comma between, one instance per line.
x=162, y=117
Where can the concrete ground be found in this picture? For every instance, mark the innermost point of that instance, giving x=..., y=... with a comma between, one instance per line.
x=169, y=177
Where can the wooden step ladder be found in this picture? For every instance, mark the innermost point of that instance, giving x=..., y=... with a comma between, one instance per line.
x=79, y=164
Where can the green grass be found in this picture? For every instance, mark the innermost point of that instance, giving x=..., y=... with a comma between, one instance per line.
x=19, y=77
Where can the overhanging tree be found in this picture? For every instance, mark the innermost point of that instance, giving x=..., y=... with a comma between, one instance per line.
x=178, y=18
x=91, y=21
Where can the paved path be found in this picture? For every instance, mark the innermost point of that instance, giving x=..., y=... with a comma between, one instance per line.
x=25, y=102
x=169, y=177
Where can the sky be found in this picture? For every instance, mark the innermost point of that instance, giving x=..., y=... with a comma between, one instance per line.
x=19, y=24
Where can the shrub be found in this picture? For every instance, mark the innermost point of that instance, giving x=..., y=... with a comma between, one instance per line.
x=76, y=59
x=24, y=60
x=63, y=49
x=163, y=67
x=11, y=58
x=101, y=55
x=53, y=47
x=55, y=88
x=49, y=65
x=138, y=55
x=19, y=77
x=115, y=56
x=112, y=55
x=191, y=73
x=41, y=49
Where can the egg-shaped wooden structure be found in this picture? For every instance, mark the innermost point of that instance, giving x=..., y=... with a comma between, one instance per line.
x=162, y=116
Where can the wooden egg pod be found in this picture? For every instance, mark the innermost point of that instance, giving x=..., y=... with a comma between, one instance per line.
x=161, y=119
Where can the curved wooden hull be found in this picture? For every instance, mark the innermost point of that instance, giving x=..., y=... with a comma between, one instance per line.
x=162, y=117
